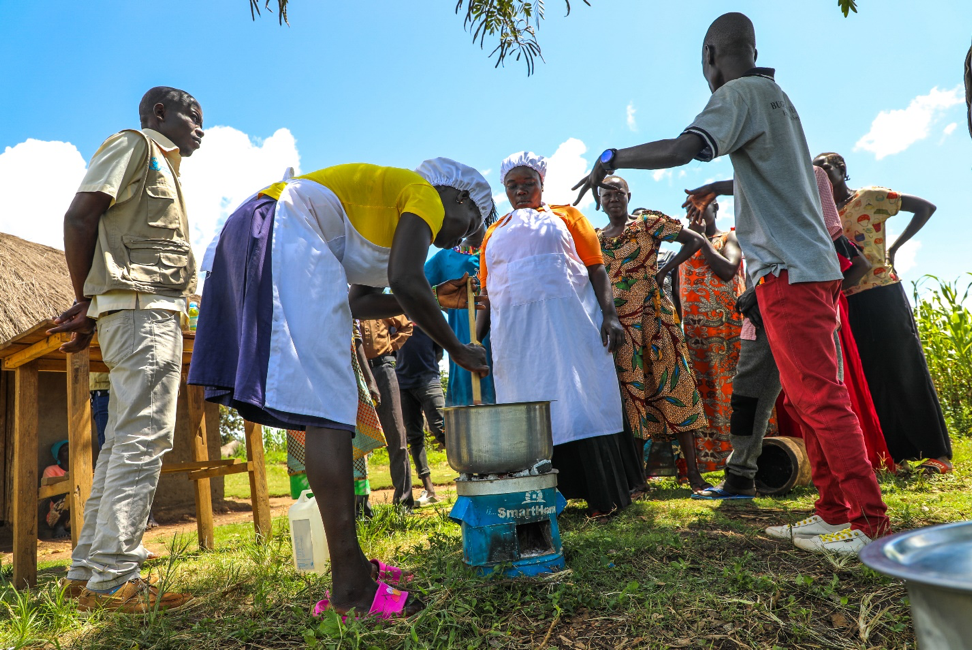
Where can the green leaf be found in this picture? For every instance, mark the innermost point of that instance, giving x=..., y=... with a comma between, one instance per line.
x=688, y=421
x=847, y=6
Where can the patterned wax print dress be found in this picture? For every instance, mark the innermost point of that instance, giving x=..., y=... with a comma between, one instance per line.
x=657, y=385
x=712, y=326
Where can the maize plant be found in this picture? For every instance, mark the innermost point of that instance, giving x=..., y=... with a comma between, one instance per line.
x=945, y=327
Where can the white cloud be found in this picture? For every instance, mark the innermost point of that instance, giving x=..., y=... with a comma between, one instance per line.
x=500, y=199
x=950, y=128
x=486, y=172
x=895, y=130
x=631, y=110
x=660, y=174
x=564, y=168
x=228, y=168
x=38, y=180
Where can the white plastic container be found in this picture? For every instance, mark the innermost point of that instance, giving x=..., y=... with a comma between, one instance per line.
x=307, y=535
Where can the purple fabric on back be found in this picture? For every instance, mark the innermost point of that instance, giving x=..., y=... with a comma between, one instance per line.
x=232, y=346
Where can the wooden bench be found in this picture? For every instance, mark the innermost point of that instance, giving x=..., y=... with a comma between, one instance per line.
x=32, y=352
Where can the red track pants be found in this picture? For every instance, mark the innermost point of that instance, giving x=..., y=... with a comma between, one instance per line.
x=800, y=321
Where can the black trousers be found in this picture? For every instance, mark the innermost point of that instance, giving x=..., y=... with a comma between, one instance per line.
x=390, y=416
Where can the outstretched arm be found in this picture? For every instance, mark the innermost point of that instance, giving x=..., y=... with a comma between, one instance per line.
x=700, y=198
x=661, y=154
x=923, y=210
x=406, y=274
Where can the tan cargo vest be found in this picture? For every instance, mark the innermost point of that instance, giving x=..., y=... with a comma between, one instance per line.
x=143, y=241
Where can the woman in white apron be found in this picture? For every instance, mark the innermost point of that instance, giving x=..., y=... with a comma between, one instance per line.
x=553, y=326
x=272, y=338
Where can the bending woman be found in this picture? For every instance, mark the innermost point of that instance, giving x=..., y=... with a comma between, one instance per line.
x=659, y=388
x=272, y=340
x=554, y=327
x=884, y=326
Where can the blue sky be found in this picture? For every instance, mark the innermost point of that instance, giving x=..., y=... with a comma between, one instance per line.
x=396, y=82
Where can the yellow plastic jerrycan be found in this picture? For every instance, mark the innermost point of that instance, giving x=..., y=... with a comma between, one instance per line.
x=307, y=535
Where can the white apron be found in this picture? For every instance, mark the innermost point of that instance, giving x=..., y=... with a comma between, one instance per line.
x=545, y=324
x=316, y=254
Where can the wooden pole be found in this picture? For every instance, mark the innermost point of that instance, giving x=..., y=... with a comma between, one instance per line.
x=259, y=494
x=200, y=451
x=79, y=438
x=477, y=392
x=25, y=477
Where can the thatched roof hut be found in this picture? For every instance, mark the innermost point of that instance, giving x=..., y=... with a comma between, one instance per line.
x=34, y=284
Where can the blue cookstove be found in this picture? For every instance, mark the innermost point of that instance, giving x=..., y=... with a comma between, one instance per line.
x=510, y=522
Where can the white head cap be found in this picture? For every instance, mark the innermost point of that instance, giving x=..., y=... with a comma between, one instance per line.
x=443, y=171
x=524, y=159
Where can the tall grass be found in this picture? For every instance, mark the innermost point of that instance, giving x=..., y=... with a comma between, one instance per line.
x=945, y=327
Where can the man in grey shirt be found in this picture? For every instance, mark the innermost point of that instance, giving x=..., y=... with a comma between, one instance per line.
x=790, y=259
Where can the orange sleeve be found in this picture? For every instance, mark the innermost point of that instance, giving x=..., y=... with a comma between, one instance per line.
x=585, y=238
x=482, y=254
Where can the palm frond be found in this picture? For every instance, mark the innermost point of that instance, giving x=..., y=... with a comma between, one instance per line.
x=281, y=8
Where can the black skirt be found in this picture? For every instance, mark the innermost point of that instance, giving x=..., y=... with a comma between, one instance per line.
x=593, y=470
x=897, y=374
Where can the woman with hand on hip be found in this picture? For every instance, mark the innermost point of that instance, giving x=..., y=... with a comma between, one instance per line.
x=884, y=325
x=658, y=386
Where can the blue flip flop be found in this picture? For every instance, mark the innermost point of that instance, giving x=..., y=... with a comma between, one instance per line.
x=719, y=494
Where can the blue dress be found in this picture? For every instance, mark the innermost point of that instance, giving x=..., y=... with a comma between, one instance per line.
x=447, y=265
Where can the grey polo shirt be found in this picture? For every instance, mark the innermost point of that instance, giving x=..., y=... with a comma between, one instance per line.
x=779, y=220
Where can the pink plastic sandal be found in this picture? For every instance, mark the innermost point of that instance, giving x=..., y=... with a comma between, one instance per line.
x=390, y=574
x=388, y=602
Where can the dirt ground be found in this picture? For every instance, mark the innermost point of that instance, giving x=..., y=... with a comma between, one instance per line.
x=171, y=523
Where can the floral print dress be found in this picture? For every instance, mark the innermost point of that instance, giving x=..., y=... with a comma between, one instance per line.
x=712, y=327
x=657, y=385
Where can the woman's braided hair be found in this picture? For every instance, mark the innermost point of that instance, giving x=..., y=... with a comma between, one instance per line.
x=837, y=160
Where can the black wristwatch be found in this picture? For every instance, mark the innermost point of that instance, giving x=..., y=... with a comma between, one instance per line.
x=607, y=159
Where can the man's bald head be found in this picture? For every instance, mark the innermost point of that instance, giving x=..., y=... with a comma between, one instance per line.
x=165, y=95
x=731, y=34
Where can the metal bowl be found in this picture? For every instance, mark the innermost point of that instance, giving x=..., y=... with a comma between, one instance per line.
x=498, y=438
x=936, y=565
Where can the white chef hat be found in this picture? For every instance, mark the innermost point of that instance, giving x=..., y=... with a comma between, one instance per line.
x=524, y=159
x=443, y=171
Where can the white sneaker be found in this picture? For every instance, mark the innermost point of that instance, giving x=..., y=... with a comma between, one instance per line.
x=426, y=499
x=844, y=542
x=806, y=528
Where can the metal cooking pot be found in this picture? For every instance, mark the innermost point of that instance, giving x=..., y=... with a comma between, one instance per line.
x=498, y=438
x=936, y=565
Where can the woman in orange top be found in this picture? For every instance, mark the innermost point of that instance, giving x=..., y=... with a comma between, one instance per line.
x=554, y=327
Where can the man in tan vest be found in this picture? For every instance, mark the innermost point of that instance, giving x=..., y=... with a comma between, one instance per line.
x=126, y=238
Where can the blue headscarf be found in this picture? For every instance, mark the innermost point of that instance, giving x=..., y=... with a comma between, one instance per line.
x=55, y=448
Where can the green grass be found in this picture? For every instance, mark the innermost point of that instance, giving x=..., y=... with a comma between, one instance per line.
x=237, y=486
x=667, y=572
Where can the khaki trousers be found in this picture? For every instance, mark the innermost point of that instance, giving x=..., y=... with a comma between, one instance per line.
x=143, y=351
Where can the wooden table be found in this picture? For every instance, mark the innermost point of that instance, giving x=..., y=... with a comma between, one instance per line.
x=32, y=352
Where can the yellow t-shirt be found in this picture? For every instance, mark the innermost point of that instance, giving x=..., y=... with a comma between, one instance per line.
x=374, y=198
